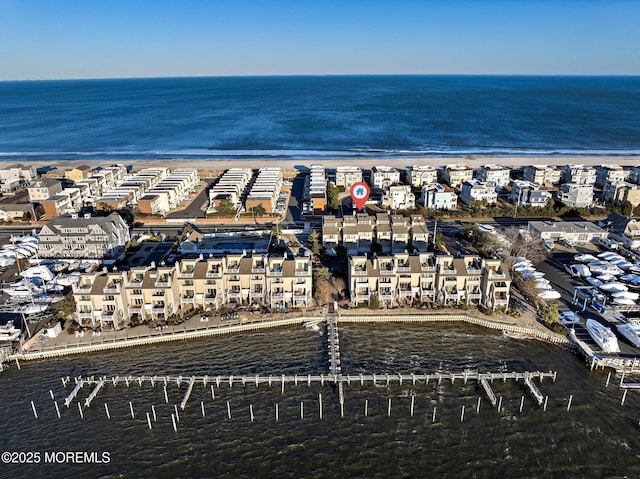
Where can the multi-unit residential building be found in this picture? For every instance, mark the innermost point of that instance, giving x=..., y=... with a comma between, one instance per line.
x=634, y=175
x=526, y=193
x=576, y=195
x=384, y=176
x=475, y=191
x=18, y=173
x=165, y=195
x=231, y=186
x=574, y=231
x=439, y=197
x=610, y=174
x=149, y=293
x=265, y=189
x=623, y=229
x=542, y=174
x=617, y=193
x=578, y=174
x=455, y=175
x=317, y=189
x=420, y=175
x=91, y=237
x=43, y=189
x=65, y=202
x=500, y=175
x=117, y=194
x=78, y=173
x=347, y=176
x=359, y=233
x=398, y=197
x=427, y=278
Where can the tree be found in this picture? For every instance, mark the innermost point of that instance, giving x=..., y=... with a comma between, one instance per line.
x=374, y=302
x=226, y=208
x=519, y=244
x=321, y=273
x=259, y=210
x=314, y=241
x=334, y=198
x=65, y=308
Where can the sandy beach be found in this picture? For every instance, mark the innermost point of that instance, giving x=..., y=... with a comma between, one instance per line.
x=365, y=163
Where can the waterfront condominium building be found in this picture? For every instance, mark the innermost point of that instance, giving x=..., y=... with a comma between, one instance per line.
x=455, y=175
x=610, y=174
x=398, y=197
x=420, y=175
x=90, y=237
x=578, y=174
x=617, y=193
x=500, y=175
x=526, y=193
x=347, y=176
x=384, y=176
x=477, y=191
x=154, y=294
x=265, y=190
x=542, y=174
x=427, y=278
x=439, y=197
x=576, y=195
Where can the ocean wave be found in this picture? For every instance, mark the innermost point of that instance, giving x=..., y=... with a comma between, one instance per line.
x=204, y=153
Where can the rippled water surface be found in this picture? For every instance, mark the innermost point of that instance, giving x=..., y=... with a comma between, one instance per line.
x=597, y=438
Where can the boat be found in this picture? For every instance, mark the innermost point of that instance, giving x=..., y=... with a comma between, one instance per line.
x=8, y=332
x=631, y=331
x=626, y=295
x=603, y=336
x=613, y=287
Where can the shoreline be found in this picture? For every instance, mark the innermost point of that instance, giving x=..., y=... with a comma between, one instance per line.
x=106, y=343
x=333, y=162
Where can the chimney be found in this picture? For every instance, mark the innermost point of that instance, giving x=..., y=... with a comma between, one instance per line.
x=87, y=216
x=74, y=216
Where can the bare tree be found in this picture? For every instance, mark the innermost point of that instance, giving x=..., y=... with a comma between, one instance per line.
x=521, y=243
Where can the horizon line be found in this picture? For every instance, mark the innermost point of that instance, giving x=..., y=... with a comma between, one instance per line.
x=319, y=75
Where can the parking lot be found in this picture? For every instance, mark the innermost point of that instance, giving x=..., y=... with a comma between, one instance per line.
x=553, y=268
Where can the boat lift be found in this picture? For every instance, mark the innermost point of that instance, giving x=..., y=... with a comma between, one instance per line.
x=585, y=295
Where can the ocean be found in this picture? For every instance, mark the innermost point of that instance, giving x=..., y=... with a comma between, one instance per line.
x=316, y=117
x=596, y=438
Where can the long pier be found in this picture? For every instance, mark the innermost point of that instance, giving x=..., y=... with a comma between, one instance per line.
x=376, y=379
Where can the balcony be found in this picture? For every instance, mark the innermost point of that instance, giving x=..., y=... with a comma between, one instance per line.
x=84, y=289
x=387, y=271
x=188, y=299
x=385, y=296
x=404, y=268
x=233, y=269
x=362, y=297
x=163, y=283
x=112, y=289
x=495, y=275
x=475, y=271
x=85, y=315
x=426, y=267
x=258, y=269
x=135, y=309
x=234, y=294
x=158, y=308
x=359, y=272
x=107, y=316
x=185, y=274
x=277, y=296
x=474, y=296
x=274, y=272
x=213, y=274
x=137, y=283
x=303, y=272
x=501, y=302
x=427, y=292
x=448, y=271
x=299, y=294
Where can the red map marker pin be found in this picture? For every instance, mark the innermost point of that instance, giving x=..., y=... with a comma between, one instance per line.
x=360, y=194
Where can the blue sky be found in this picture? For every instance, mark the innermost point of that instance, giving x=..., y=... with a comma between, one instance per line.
x=141, y=38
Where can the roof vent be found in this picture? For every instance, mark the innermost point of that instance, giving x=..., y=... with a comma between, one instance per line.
x=74, y=216
x=87, y=216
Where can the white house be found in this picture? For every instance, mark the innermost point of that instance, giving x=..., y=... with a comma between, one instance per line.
x=455, y=175
x=542, y=174
x=500, y=175
x=609, y=174
x=420, y=175
x=526, y=193
x=384, y=176
x=578, y=174
x=439, y=197
x=399, y=197
x=479, y=191
x=576, y=195
x=347, y=176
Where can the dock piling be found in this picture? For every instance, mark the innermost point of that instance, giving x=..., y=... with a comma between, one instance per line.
x=133, y=416
x=277, y=414
x=55, y=403
x=624, y=397
x=389, y=408
x=202, y=408
x=462, y=414
x=228, y=410
x=320, y=404
x=80, y=409
x=500, y=404
x=366, y=407
x=521, y=403
x=413, y=400
x=606, y=384
x=570, y=400
x=51, y=394
x=153, y=411
x=33, y=407
x=106, y=410
x=478, y=406
x=433, y=418
x=546, y=399
x=149, y=420
x=251, y=411
x=173, y=420
x=175, y=411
